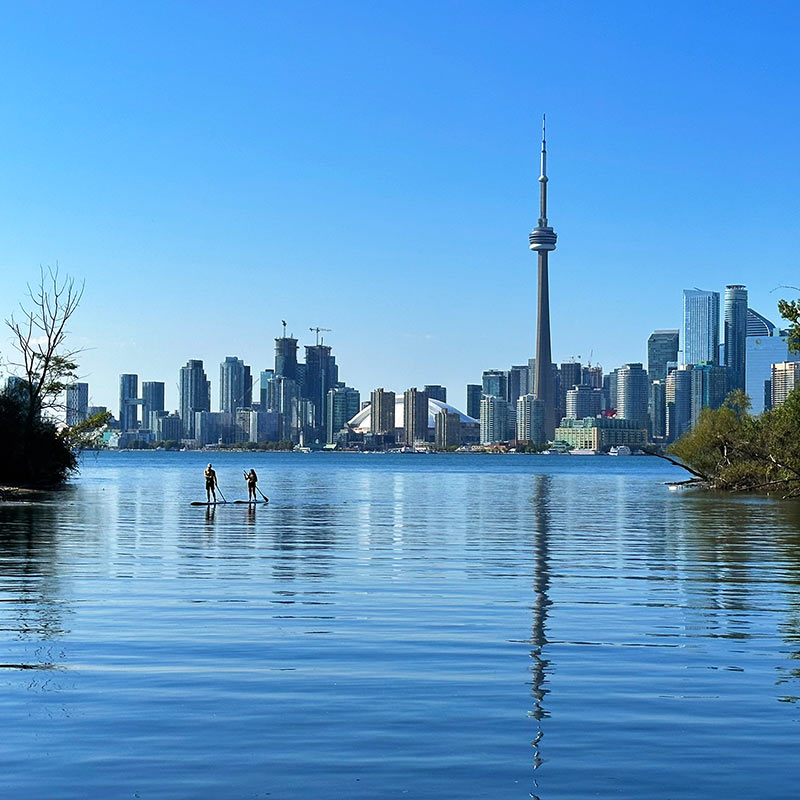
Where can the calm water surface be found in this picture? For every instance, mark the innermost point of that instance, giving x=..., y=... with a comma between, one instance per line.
x=398, y=626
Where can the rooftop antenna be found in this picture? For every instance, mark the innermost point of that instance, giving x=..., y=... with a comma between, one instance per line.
x=317, y=331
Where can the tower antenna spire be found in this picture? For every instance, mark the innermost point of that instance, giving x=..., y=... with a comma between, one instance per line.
x=543, y=180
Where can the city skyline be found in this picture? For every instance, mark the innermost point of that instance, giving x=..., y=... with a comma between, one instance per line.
x=255, y=170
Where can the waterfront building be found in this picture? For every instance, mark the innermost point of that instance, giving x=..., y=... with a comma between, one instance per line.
x=77, y=403
x=785, y=378
x=709, y=388
x=735, y=335
x=542, y=240
x=235, y=385
x=447, y=429
x=194, y=395
x=436, y=392
x=495, y=383
x=343, y=403
x=382, y=416
x=633, y=394
x=601, y=433
x=361, y=423
x=152, y=401
x=662, y=348
x=474, y=392
x=700, y=327
x=286, y=357
x=168, y=427
x=494, y=419
x=415, y=416
x=213, y=427
x=128, y=402
x=582, y=401
x=530, y=420
x=678, y=393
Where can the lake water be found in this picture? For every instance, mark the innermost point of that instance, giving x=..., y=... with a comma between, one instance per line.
x=443, y=626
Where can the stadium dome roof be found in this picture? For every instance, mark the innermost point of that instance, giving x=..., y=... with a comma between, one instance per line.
x=361, y=421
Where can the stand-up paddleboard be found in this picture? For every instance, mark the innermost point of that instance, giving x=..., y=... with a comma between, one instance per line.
x=218, y=503
x=251, y=502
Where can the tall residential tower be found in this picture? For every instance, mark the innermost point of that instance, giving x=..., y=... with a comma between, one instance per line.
x=543, y=240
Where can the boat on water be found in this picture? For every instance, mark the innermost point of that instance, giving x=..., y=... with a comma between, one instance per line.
x=622, y=450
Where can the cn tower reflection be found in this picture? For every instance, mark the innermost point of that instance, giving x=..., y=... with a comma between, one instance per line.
x=541, y=584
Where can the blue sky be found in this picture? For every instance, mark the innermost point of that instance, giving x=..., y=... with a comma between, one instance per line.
x=210, y=169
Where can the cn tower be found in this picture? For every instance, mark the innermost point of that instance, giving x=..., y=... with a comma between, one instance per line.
x=543, y=240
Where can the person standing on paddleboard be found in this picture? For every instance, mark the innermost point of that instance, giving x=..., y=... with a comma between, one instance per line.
x=211, y=483
x=252, y=481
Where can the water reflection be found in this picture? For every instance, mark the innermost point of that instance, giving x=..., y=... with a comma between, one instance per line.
x=540, y=500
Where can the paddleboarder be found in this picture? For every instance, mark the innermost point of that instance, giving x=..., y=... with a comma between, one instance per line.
x=211, y=483
x=252, y=481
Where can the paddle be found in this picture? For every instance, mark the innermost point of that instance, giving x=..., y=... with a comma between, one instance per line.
x=266, y=499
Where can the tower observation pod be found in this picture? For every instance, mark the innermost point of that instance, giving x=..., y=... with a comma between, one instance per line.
x=542, y=241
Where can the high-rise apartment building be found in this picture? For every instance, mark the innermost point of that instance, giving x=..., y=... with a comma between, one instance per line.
x=518, y=382
x=662, y=348
x=447, y=429
x=678, y=393
x=709, y=387
x=592, y=376
x=194, y=394
x=128, y=402
x=320, y=365
x=530, y=420
x=474, y=392
x=343, y=403
x=736, y=335
x=700, y=327
x=494, y=419
x=382, y=408
x=415, y=415
x=168, y=428
x=658, y=410
x=785, y=378
x=495, y=383
x=436, y=391
x=542, y=241
x=582, y=401
x=77, y=403
x=152, y=400
x=633, y=391
x=235, y=385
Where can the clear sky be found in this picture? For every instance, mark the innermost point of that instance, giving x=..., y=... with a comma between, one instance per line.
x=212, y=168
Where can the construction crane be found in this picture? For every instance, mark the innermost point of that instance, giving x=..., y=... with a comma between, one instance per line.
x=317, y=331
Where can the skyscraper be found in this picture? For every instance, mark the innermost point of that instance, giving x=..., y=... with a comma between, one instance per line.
x=266, y=394
x=474, y=392
x=415, y=415
x=530, y=420
x=494, y=419
x=662, y=347
x=764, y=350
x=633, y=394
x=785, y=378
x=128, y=402
x=709, y=387
x=152, y=400
x=286, y=357
x=735, y=335
x=381, y=418
x=318, y=380
x=518, y=382
x=235, y=385
x=700, y=327
x=582, y=401
x=543, y=240
x=77, y=402
x=678, y=393
x=495, y=383
x=343, y=404
x=447, y=429
x=194, y=395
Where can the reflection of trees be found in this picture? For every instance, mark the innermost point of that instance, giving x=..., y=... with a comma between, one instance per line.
x=30, y=584
x=541, y=602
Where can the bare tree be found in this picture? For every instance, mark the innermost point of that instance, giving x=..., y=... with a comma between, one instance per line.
x=39, y=334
